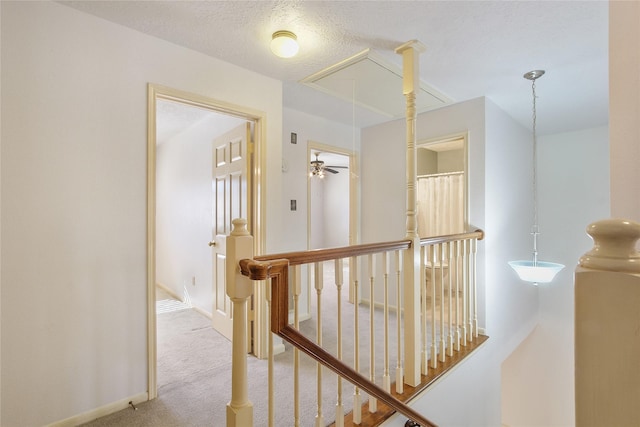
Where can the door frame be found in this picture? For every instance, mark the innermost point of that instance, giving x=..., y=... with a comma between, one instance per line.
x=313, y=146
x=256, y=214
x=444, y=139
x=354, y=185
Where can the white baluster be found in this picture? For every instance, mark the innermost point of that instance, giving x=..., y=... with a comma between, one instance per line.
x=449, y=261
x=339, y=265
x=297, y=291
x=474, y=283
x=357, y=398
x=471, y=291
x=434, y=339
x=458, y=279
x=386, y=378
x=465, y=294
x=270, y=377
x=442, y=350
x=399, y=369
x=318, y=285
x=424, y=289
x=373, y=403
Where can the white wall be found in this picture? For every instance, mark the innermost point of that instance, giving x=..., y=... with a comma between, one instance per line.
x=184, y=210
x=573, y=192
x=74, y=106
x=383, y=146
x=295, y=157
x=512, y=305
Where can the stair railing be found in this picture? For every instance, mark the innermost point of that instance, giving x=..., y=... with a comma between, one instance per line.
x=454, y=315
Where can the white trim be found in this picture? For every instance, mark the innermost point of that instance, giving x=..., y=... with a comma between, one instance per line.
x=203, y=312
x=431, y=175
x=102, y=411
x=256, y=212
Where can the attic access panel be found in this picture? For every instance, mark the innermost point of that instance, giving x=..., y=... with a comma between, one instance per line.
x=369, y=81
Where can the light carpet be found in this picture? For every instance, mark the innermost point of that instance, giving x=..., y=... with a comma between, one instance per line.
x=194, y=370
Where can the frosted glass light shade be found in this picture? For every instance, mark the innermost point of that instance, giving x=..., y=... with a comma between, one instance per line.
x=540, y=272
x=284, y=44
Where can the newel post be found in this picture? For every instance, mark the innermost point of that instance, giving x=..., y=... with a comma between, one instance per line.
x=239, y=289
x=410, y=52
x=607, y=327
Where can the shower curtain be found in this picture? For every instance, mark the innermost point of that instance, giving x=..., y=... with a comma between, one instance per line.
x=441, y=204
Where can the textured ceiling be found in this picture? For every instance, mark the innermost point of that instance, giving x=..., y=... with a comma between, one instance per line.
x=474, y=48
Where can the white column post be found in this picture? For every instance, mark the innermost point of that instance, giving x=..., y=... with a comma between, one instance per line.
x=239, y=289
x=410, y=63
x=607, y=320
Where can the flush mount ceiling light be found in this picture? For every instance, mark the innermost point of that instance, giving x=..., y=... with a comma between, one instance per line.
x=284, y=44
x=535, y=271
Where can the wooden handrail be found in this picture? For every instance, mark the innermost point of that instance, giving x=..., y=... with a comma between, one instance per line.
x=278, y=270
x=478, y=234
x=319, y=255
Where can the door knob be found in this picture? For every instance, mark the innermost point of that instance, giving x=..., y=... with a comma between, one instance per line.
x=212, y=243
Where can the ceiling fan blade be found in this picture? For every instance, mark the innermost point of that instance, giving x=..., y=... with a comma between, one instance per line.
x=337, y=167
x=326, y=169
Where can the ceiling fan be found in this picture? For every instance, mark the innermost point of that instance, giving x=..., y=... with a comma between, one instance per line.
x=318, y=168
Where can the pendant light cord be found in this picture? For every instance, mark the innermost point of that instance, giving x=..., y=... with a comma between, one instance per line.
x=534, y=231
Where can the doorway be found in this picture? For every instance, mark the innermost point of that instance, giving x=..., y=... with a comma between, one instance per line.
x=331, y=197
x=442, y=185
x=332, y=202
x=182, y=189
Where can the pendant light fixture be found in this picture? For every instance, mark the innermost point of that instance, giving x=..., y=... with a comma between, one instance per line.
x=535, y=271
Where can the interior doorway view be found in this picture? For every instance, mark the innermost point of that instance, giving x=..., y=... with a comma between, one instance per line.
x=332, y=209
x=200, y=178
x=329, y=197
x=442, y=186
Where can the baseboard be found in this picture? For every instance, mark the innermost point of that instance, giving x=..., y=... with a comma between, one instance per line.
x=301, y=317
x=380, y=305
x=278, y=348
x=165, y=288
x=203, y=312
x=102, y=411
x=170, y=291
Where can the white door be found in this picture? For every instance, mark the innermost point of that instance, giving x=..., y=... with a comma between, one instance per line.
x=231, y=190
